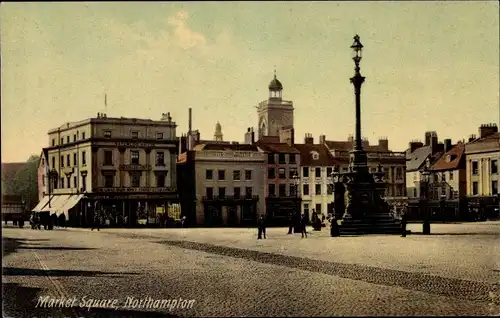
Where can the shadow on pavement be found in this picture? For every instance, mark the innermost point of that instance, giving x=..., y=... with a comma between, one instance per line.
x=21, y=301
x=10, y=245
x=12, y=271
x=56, y=248
x=453, y=234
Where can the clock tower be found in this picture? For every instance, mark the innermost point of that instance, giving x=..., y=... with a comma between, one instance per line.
x=274, y=113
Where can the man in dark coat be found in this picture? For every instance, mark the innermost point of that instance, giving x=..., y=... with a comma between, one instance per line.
x=97, y=221
x=334, y=227
x=290, y=223
x=262, y=227
x=303, y=225
x=404, y=221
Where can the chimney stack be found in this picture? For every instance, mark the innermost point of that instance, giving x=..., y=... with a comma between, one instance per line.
x=428, y=135
x=472, y=137
x=383, y=144
x=414, y=145
x=434, y=142
x=487, y=129
x=309, y=140
x=447, y=145
x=322, y=139
x=250, y=136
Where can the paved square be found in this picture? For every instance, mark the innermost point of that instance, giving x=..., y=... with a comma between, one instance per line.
x=228, y=272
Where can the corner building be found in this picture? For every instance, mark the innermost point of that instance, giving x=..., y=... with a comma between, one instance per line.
x=123, y=167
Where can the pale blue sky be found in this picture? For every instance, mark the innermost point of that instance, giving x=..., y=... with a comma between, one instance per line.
x=428, y=66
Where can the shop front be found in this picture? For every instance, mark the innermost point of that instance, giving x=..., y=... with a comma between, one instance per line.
x=140, y=208
x=230, y=211
x=280, y=209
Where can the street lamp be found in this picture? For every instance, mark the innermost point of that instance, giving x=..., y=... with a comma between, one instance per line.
x=357, y=49
x=426, y=226
x=357, y=80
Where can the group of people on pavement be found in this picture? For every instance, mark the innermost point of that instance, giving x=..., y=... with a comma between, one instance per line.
x=334, y=226
x=262, y=226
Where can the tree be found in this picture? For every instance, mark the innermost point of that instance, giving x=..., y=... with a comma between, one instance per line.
x=25, y=182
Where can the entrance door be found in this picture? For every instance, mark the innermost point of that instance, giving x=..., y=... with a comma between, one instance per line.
x=232, y=217
x=214, y=215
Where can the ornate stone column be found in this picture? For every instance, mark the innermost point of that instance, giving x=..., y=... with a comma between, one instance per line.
x=121, y=174
x=148, y=163
x=96, y=175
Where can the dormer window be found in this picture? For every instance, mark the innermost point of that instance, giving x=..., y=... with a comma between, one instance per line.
x=315, y=155
x=450, y=158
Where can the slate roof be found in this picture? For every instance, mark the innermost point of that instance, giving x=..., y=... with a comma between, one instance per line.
x=457, y=161
x=487, y=138
x=269, y=139
x=275, y=147
x=417, y=158
x=325, y=157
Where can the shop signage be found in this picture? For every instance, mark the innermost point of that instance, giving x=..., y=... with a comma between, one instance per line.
x=135, y=167
x=139, y=189
x=134, y=144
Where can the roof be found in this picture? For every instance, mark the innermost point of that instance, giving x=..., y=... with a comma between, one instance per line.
x=348, y=145
x=10, y=169
x=457, y=159
x=417, y=158
x=233, y=147
x=269, y=139
x=486, y=138
x=325, y=158
x=276, y=147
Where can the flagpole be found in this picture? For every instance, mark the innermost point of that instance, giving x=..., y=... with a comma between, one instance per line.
x=105, y=103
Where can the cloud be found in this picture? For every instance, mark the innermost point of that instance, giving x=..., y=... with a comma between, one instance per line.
x=184, y=37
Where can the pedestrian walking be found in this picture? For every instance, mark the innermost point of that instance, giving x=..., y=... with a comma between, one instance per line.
x=97, y=222
x=404, y=221
x=183, y=221
x=262, y=228
x=334, y=227
x=290, y=223
x=303, y=225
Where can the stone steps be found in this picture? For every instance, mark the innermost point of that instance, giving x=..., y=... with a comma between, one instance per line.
x=374, y=224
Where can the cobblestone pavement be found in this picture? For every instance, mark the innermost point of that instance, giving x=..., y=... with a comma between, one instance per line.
x=229, y=273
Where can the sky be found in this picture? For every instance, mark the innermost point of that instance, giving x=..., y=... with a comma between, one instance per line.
x=428, y=66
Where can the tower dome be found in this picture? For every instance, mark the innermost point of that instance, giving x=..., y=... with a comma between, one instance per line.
x=275, y=88
x=275, y=84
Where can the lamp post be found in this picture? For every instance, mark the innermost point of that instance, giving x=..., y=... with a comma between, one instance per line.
x=426, y=225
x=358, y=157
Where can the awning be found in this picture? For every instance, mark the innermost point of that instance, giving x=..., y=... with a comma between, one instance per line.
x=39, y=207
x=69, y=204
x=56, y=203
